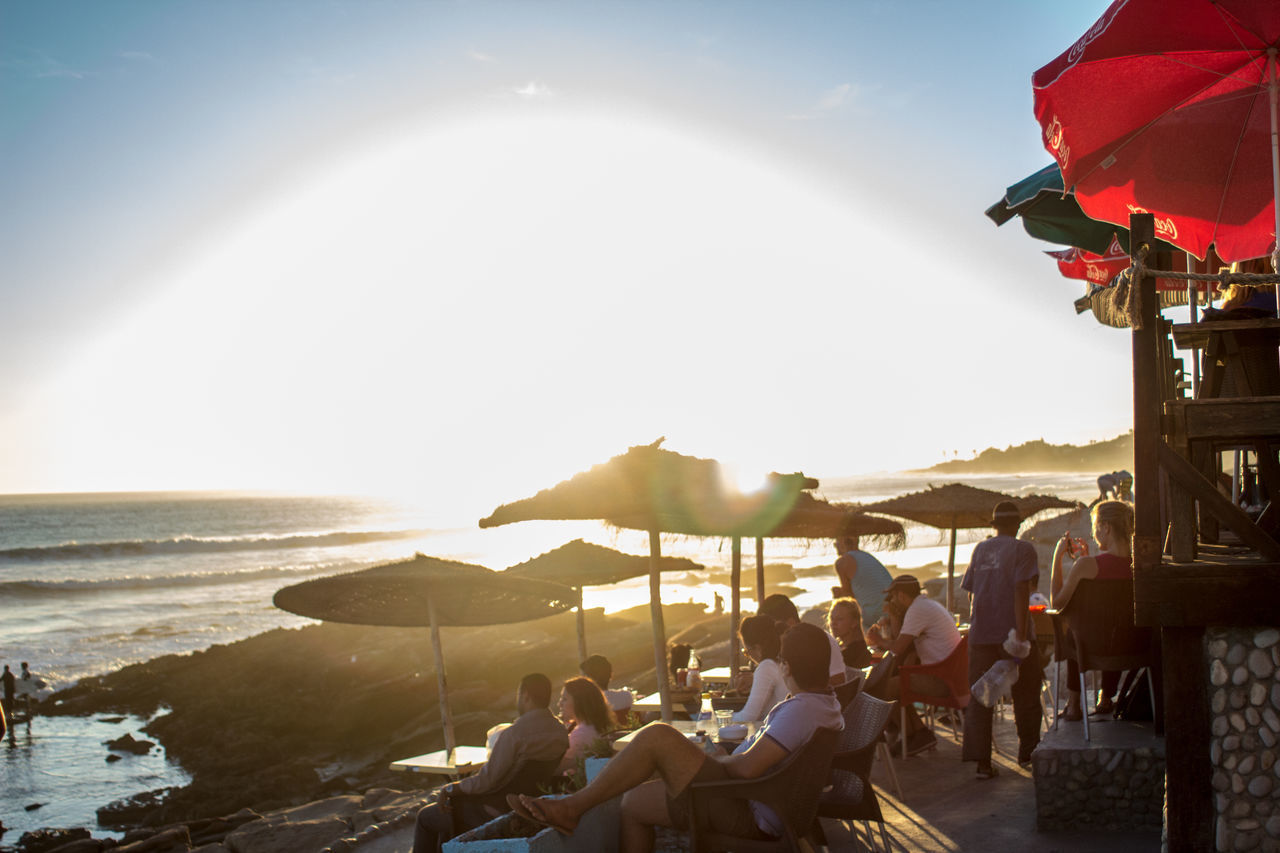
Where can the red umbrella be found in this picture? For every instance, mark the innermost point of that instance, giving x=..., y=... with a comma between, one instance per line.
x=1168, y=107
x=1087, y=266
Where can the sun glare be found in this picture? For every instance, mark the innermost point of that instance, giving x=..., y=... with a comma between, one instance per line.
x=498, y=300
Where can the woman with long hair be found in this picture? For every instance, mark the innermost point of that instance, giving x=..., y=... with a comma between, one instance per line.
x=586, y=715
x=1113, y=531
x=761, y=643
x=844, y=621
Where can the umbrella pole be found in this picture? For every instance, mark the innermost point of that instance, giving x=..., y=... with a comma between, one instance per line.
x=759, y=572
x=582, y=629
x=1272, y=93
x=735, y=609
x=659, y=629
x=951, y=571
x=446, y=716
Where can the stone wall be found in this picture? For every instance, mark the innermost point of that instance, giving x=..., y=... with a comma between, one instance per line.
x=1244, y=704
x=1081, y=786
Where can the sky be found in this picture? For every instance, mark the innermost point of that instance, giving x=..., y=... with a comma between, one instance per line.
x=463, y=249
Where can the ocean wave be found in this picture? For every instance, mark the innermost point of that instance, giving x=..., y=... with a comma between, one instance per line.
x=34, y=588
x=202, y=545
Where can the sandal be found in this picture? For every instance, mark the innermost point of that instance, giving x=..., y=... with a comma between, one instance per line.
x=988, y=771
x=529, y=809
x=1103, y=709
x=1072, y=715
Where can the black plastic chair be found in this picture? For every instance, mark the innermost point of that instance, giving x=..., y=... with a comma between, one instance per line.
x=879, y=674
x=1096, y=630
x=850, y=795
x=791, y=789
x=527, y=777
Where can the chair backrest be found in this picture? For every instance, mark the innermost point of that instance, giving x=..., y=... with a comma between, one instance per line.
x=864, y=720
x=801, y=778
x=1099, y=624
x=851, y=687
x=879, y=674
x=953, y=670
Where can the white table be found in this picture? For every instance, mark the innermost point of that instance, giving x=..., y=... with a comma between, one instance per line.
x=686, y=727
x=720, y=675
x=464, y=761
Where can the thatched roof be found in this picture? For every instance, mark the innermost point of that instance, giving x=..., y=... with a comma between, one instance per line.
x=397, y=594
x=648, y=488
x=960, y=505
x=580, y=564
x=814, y=518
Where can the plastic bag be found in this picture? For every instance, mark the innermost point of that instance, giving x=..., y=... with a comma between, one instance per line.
x=995, y=682
x=1015, y=647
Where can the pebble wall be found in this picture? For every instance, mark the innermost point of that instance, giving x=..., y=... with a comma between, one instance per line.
x=1244, y=704
x=1098, y=788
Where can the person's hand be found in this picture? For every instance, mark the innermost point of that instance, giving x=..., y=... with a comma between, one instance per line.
x=743, y=683
x=837, y=592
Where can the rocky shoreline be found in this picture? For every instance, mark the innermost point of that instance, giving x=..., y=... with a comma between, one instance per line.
x=295, y=726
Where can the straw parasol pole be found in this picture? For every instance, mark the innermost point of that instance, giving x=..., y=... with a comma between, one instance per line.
x=426, y=592
x=957, y=505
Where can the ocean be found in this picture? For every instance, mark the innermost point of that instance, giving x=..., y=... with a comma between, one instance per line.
x=93, y=582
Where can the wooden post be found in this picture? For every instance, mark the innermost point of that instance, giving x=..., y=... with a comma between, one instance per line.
x=446, y=715
x=1148, y=537
x=582, y=628
x=1188, y=797
x=735, y=608
x=659, y=627
x=951, y=569
x=759, y=572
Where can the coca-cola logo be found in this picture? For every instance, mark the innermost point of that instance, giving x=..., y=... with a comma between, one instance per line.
x=1096, y=274
x=1165, y=228
x=1099, y=27
x=1054, y=141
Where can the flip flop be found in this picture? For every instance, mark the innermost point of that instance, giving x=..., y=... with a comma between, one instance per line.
x=528, y=808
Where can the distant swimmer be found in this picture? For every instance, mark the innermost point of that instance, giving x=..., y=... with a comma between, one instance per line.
x=1117, y=485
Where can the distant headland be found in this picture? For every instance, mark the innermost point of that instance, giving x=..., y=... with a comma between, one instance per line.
x=1110, y=455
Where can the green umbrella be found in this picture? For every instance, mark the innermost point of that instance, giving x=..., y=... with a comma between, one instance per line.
x=1050, y=212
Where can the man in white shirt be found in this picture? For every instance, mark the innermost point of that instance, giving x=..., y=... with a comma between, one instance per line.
x=928, y=636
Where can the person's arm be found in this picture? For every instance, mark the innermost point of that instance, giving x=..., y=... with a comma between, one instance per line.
x=1083, y=569
x=846, y=568
x=1056, y=572
x=901, y=645
x=501, y=760
x=762, y=687
x=1021, y=598
x=755, y=760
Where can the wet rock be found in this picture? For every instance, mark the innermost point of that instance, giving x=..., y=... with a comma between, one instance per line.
x=44, y=840
x=112, y=758
x=84, y=845
x=126, y=743
x=176, y=839
x=131, y=811
x=272, y=835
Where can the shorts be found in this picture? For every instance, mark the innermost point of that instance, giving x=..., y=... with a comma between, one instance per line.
x=729, y=817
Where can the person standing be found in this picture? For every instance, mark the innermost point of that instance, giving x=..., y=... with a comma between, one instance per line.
x=862, y=577
x=10, y=685
x=1002, y=574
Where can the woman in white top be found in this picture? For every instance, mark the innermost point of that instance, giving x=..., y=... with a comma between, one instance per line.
x=760, y=642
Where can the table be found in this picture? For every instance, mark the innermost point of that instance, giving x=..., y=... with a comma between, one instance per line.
x=465, y=761
x=720, y=675
x=685, y=727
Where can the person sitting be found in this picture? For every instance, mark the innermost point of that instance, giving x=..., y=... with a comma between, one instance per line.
x=586, y=716
x=844, y=622
x=679, y=659
x=783, y=612
x=599, y=670
x=661, y=750
x=928, y=636
x=760, y=642
x=536, y=735
x=862, y=577
x=1112, y=529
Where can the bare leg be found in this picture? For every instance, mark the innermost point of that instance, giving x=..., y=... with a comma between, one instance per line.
x=643, y=808
x=657, y=748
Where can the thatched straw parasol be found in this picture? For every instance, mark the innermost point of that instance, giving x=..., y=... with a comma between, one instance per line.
x=648, y=488
x=579, y=564
x=426, y=591
x=957, y=505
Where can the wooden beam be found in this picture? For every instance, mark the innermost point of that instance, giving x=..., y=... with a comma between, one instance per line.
x=1237, y=593
x=1207, y=494
x=1226, y=418
x=1188, y=795
x=1147, y=535
x=659, y=625
x=735, y=607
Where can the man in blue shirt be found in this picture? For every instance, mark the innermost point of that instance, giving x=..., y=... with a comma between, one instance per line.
x=863, y=577
x=1001, y=576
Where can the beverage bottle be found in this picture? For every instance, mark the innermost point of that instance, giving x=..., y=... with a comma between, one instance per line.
x=695, y=675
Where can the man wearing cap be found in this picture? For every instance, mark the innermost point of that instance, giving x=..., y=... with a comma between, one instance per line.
x=1002, y=574
x=929, y=634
